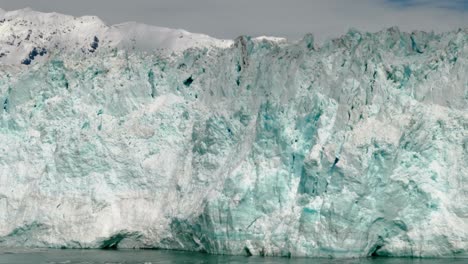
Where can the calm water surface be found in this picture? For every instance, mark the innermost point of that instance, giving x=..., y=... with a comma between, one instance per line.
x=161, y=256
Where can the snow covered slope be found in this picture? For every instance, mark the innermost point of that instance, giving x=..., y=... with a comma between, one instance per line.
x=157, y=138
x=23, y=30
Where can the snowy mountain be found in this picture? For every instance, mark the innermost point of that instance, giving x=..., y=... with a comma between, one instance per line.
x=23, y=30
x=133, y=136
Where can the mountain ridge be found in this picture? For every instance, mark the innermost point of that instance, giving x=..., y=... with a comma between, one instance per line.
x=79, y=33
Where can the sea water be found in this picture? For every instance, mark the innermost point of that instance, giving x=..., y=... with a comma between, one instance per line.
x=47, y=256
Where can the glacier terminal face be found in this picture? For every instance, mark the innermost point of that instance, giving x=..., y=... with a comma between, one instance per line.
x=132, y=136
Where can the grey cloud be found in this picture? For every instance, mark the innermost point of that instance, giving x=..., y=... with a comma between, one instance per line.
x=288, y=18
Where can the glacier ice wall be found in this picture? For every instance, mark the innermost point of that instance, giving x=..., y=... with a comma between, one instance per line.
x=356, y=147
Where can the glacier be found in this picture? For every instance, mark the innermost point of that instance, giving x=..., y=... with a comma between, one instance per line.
x=134, y=136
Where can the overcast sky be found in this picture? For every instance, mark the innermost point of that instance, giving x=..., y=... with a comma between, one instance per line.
x=284, y=18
